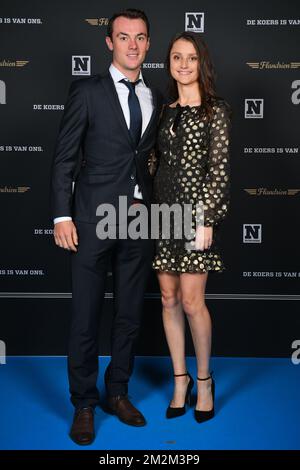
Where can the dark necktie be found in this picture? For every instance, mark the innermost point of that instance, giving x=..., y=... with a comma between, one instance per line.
x=134, y=110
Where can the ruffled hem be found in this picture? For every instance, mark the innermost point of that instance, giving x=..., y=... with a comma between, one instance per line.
x=189, y=263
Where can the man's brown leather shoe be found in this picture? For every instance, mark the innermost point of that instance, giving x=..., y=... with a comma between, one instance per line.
x=82, y=430
x=126, y=412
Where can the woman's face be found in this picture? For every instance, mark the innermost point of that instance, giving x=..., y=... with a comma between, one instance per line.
x=184, y=62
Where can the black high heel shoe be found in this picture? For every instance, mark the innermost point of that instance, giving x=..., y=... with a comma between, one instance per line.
x=202, y=416
x=179, y=411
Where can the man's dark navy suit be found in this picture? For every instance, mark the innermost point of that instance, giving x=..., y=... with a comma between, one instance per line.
x=112, y=165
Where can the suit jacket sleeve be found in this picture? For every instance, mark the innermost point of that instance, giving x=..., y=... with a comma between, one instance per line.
x=70, y=136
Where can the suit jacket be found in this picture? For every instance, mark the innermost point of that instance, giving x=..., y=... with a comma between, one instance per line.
x=111, y=165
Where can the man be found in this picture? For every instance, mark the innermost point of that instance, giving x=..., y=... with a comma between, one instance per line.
x=113, y=119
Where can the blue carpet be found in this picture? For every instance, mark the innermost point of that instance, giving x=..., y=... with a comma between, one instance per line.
x=257, y=407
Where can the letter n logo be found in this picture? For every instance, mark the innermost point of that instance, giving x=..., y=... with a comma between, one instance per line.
x=194, y=22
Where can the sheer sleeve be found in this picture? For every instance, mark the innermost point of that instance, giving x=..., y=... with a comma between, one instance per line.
x=217, y=180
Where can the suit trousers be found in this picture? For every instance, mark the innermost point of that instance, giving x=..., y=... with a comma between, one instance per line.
x=131, y=265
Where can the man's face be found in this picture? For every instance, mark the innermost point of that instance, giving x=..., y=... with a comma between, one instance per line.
x=129, y=43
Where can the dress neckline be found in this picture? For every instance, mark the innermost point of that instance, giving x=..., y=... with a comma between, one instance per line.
x=178, y=106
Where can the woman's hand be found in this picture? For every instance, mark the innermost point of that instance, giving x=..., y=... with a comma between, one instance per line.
x=204, y=237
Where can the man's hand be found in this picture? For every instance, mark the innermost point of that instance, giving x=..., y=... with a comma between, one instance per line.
x=204, y=236
x=65, y=235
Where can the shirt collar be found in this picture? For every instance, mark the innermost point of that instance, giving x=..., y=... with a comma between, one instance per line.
x=117, y=75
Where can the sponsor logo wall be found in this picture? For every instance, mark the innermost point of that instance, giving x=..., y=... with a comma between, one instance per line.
x=257, y=58
x=261, y=85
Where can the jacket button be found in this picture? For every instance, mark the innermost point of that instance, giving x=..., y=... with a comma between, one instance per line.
x=136, y=152
x=132, y=177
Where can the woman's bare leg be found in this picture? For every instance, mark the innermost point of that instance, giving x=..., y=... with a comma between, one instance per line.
x=193, y=301
x=174, y=325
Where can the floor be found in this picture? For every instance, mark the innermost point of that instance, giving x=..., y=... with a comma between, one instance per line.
x=257, y=407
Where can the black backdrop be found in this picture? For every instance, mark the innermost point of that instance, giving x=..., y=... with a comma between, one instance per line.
x=255, y=49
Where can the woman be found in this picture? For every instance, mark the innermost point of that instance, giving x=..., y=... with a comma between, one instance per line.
x=193, y=145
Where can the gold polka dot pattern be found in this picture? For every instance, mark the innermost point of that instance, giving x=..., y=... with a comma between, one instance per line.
x=193, y=167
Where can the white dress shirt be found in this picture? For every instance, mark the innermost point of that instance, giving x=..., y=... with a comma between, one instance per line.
x=146, y=102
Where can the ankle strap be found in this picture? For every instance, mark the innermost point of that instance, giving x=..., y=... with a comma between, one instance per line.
x=206, y=378
x=181, y=375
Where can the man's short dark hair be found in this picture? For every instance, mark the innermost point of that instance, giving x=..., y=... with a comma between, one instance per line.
x=130, y=13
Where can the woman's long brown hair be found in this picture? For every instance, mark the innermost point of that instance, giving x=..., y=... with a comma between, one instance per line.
x=206, y=76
